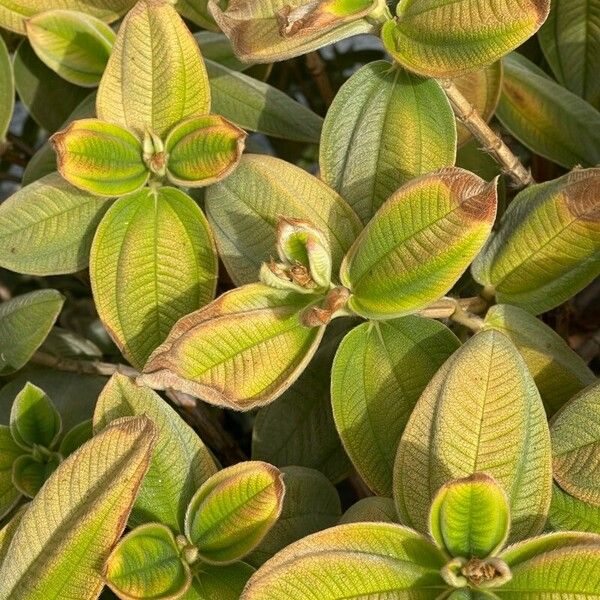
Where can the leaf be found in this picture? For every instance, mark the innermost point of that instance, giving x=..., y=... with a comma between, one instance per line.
x=8, y=531
x=47, y=96
x=63, y=343
x=9, y=452
x=73, y=44
x=379, y=372
x=197, y=12
x=310, y=504
x=421, y=40
x=7, y=92
x=470, y=517
x=24, y=323
x=359, y=560
x=155, y=76
x=29, y=474
x=570, y=40
x=558, y=372
x=568, y=513
x=298, y=428
x=181, y=462
x=34, y=420
x=481, y=412
x=222, y=582
x=217, y=51
x=152, y=261
x=575, y=432
x=371, y=509
x=547, y=118
x=233, y=511
x=419, y=243
x=83, y=520
x=258, y=106
x=559, y=218
x=146, y=564
x=241, y=351
x=405, y=126
x=76, y=437
x=244, y=210
x=203, y=150
x=280, y=29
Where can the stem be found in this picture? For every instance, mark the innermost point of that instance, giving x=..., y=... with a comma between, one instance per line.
x=446, y=307
x=318, y=71
x=492, y=143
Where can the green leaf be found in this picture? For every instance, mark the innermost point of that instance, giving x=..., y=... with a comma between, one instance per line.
x=29, y=474
x=63, y=343
x=100, y=158
x=76, y=437
x=9, y=452
x=34, y=420
x=419, y=243
x=203, y=150
x=298, y=428
x=245, y=208
x=222, y=582
x=152, y=261
x=481, y=412
x=422, y=40
x=558, y=372
x=371, y=509
x=570, y=40
x=47, y=227
x=73, y=44
x=155, y=76
x=547, y=118
x=7, y=91
x=258, y=106
x=559, y=218
x=146, y=564
x=82, y=520
x=575, y=431
x=405, y=126
x=568, y=513
x=254, y=326
x=310, y=504
x=358, y=560
x=24, y=324
x=233, y=511
x=217, y=50
x=197, y=12
x=470, y=517
x=180, y=464
x=378, y=374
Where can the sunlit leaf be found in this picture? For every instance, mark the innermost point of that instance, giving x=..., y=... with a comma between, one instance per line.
x=7, y=90
x=9, y=452
x=8, y=531
x=568, y=513
x=373, y=508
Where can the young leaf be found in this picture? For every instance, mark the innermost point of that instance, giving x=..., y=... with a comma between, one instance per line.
x=570, y=40
x=373, y=106
x=76, y=437
x=422, y=40
x=100, y=158
x=241, y=351
x=470, y=517
x=34, y=420
x=372, y=509
x=568, y=513
x=560, y=218
x=46, y=228
x=559, y=373
x=181, y=462
x=546, y=117
x=9, y=452
x=233, y=511
x=358, y=560
x=29, y=474
x=379, y=372
x=155, y=76
x=222, y=582
x=151, y=244
x=74, y=44
x=245, y=208
x=146, y=564
x=575, y=432
x=481, y=412
x=82, y=520
x=7, y=91
x=203, y=150
x=419, y=243
x=24, y=324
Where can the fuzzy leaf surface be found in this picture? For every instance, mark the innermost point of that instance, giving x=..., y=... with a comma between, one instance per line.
x=569, y=513
x=7, y=92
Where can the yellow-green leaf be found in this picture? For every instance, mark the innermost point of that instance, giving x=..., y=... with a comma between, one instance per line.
x=8, y=531
x=547, y=247
x=155, y=76
x=372, y=509
x=7, y=89
x=379, y=372
x=241, y=351
x=438, y=38
x=419, y=243
x=218, y=582
x=9, y=453
x=203, y=150
x=152, y=261
x=74, y=44
x=559, y=372
x=181, y=462
x=233, y=511
x=84, y=507
x=568, y=513
x=481, y=412
x=385, y=127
